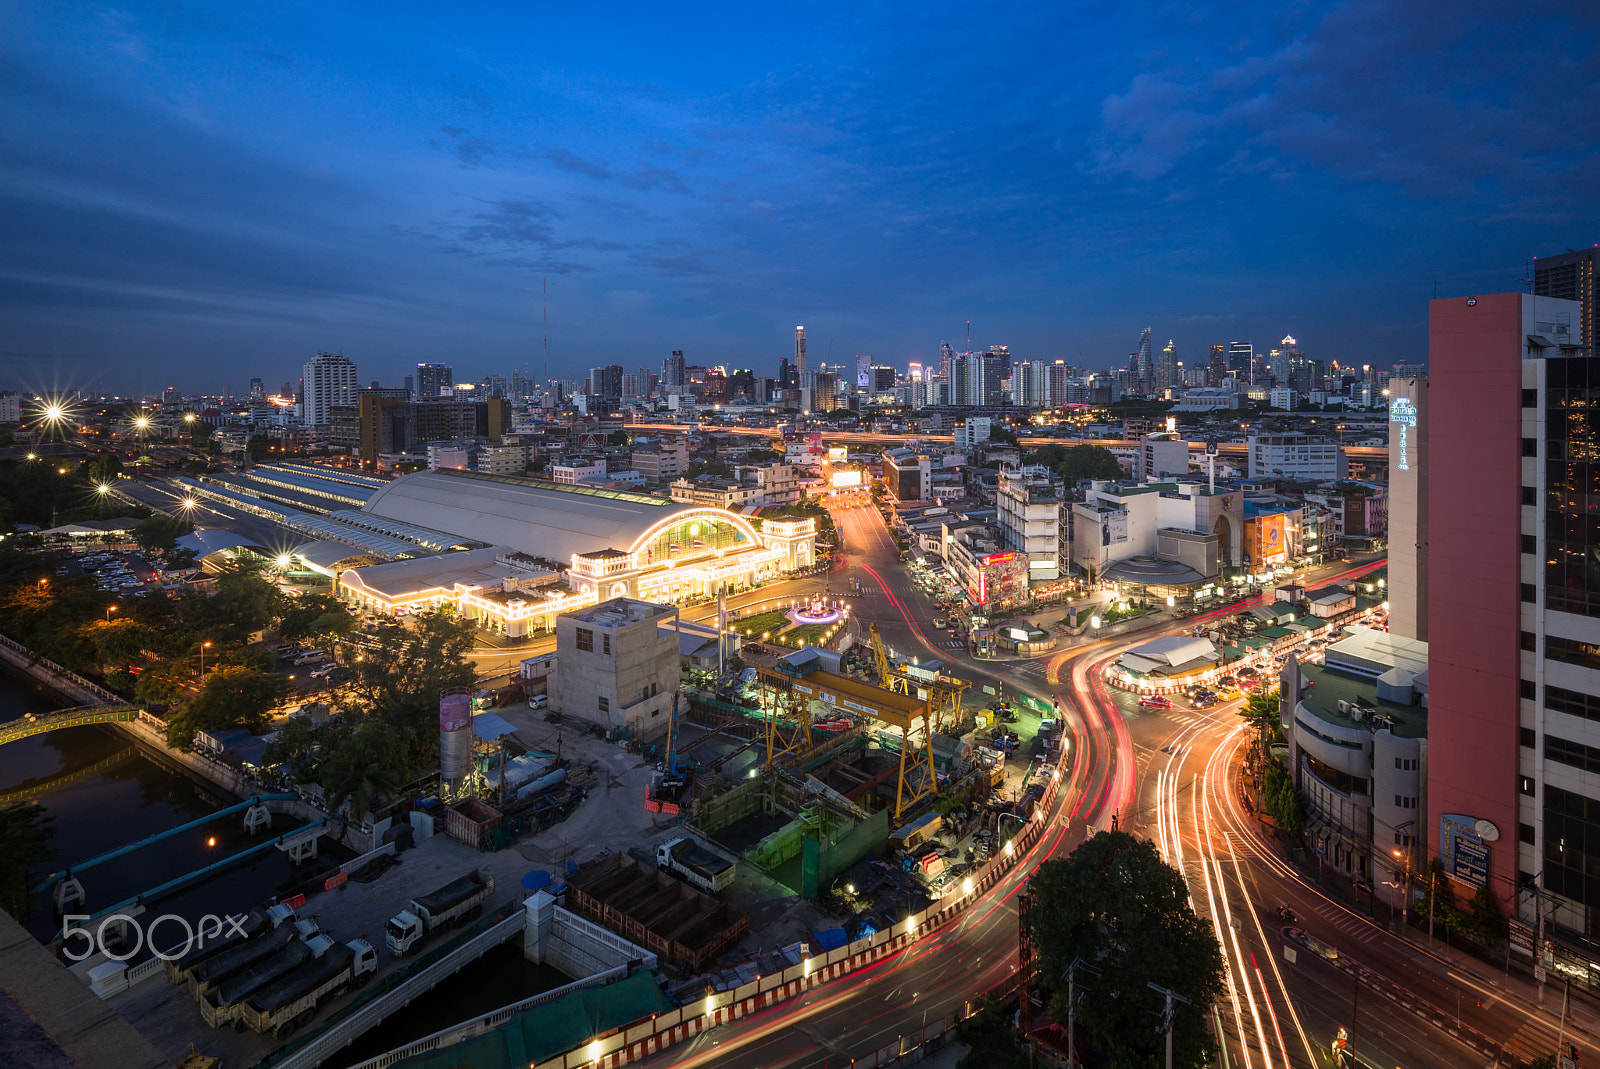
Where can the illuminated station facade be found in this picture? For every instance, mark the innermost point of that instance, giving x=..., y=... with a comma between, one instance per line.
x=549, y=549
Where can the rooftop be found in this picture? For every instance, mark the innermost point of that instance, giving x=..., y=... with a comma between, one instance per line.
x=620, y=612
x=1334, y=686
x=1371, y=652
x=480, y=568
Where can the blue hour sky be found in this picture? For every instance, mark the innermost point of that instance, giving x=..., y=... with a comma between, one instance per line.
x=196, y=194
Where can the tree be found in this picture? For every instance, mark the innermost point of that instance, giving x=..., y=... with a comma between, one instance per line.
x=708, y=467
x=233, y=697
x=1280, y=801
x=619, y=438
x=398, y=681
x=363, y=766
x=1116, y=906
x=242, y=602
x=24, y=844
x=163, y=683
x=160, y=534
x=1002, y=434
x=103, y=468
x=257, y=447
x=1089, y=462
x=315, y=614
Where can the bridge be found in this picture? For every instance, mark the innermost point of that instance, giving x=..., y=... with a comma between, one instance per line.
x=28, y=726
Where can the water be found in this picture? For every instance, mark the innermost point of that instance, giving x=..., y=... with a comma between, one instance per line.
x=96, y=809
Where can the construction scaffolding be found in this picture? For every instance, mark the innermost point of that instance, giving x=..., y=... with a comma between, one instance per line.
x=801, y=683
x=943, y=691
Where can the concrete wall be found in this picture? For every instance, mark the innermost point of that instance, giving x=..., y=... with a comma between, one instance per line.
x=576, y=946
x=636, y=677
x=1408, y=514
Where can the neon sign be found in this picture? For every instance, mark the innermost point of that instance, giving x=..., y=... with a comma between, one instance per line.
x=1403, y=414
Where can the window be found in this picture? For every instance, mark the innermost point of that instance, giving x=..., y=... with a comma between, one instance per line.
x=1576, y=754
x=1530, y=593
x=1525, y=833
x=1530, y=544
x=1526, y=737
x=1530, y=641
x=585, y=640
x=1530, y=398
x=1572, y=484
x=1572, y=703
x=605, y=704
x=1571, y=651
x=1525, y=785
x=605, y=643
x=1530, y=496
x=1527, y=689
x=1530, y=447
x=1572, y=845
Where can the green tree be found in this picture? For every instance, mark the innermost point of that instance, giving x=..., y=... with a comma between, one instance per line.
x=163, y=683
x=363, y=767
x=297, y=745
x=160, y=534
x=314, y=614
x=1114, y=904
x=398, y=681
x=708, y=467
x=242, y=602
x=232, y=697
x=119, y=641
x=24, y=845
x=619, y=438
x=1089, y=462
x=1279, y=799
x=103, y=468
x=257, y=447
x=1002, y=434
x=990, y=1039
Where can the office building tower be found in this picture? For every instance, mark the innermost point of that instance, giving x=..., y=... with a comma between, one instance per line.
x=1513, y=605
x=1030, y=381
x=1242, y=362
x=326, y=380
x=1167, y=366
x=258, y=390
x=435, y=380
x=1408, y=508
x=606, y=382
x=492, y=386
x=672, y=370
x=801, y=374
x=1058, y=383
x=947, y=359
x=788, y=375
x=1570, y=277
x=915, y=372
x=864, y=380
x=996, y=366
x=883, y=378
x=1139, y=368
x=1219, y=364
x=966, y=380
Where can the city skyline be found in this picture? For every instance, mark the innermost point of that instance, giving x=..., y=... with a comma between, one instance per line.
x=208, y=199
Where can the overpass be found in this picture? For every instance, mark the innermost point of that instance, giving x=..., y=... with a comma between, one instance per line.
x=1355, y=452
x=28, y=726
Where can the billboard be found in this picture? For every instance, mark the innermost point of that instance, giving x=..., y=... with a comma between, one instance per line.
x=843, y=479
x=1273, y=533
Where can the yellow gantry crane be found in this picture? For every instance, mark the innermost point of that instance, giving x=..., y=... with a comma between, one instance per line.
x=944, y=694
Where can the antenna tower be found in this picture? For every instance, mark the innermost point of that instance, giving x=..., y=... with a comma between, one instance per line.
x=545, y=283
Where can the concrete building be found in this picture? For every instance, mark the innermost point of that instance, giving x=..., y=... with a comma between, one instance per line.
x=908, y=475
x=1299, y=457
x=661, y=460
x=617, y=666
x=326, y=380
x=1032, y=504
x=578, y=472
x=1407, y=511
x=392, y=424
x=1514, y=613
x=1570, y=276
x=507, y=458
x=1117, y=523
x=1160, y=455
x=1208, y=399
x=499, y=589
x=1357, y=729
x=1282, y=397
x=995, y=578
x=434, y=380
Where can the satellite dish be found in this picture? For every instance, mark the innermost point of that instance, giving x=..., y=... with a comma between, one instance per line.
x=1486, y=830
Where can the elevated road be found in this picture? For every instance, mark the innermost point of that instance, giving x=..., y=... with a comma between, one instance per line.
x=1363, y=452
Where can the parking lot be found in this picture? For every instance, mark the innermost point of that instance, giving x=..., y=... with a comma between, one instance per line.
x=115, y=571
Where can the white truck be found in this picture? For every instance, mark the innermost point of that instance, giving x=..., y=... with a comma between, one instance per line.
x=693, y=863
x=290, y=1002
x=455, y=902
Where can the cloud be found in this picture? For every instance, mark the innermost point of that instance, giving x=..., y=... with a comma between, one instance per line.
x=646, y=176
x=471, y=151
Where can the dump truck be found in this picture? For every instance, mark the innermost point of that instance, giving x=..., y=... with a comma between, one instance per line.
x=290, y=1002
x=690, y=861
x=457, y=901
x=221, y=1006
x=211, y=939
x=205, y=977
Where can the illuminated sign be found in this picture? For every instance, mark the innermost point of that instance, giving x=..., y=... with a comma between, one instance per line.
x=1403, y=414
x=846, y=478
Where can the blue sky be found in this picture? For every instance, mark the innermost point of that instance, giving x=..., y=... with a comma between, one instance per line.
x=196, y=194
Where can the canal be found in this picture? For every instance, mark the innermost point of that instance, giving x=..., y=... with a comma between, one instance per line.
x=101, y=792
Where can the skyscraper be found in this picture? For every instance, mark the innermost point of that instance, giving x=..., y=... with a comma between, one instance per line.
x=258, y=390
x=1167, y=368
x=1219, y=365
x=800, y=371
x=996, y=366
x=1057, y=383
x=606, y=381
x=434, y=380
x=326, y=380
x=672, y=375
x=1512, y=589
x=1242, y=362
x=1140, y=369
x=1570, y=276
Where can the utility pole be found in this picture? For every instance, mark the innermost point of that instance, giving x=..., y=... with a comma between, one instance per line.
x=1168, y=1014
x=1074, y=996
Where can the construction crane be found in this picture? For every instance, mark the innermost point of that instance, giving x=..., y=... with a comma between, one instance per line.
x=944, y=693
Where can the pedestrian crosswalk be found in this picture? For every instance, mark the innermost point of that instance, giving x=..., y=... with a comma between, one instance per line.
x=1032, y=668
x=1348, y=924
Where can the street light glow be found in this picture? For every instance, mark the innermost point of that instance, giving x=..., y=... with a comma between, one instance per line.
x=143, y=422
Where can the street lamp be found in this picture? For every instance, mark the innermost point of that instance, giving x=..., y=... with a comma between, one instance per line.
x=109, y=610
x=203, y=647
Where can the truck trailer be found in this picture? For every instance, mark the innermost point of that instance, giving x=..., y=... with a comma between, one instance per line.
x=204, y=978
x=222, y=1005
x=456, y=902
x=225, y=934
x=291, y=1002
x=693, y=863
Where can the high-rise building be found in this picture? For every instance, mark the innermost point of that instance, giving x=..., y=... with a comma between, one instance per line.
x=915, y=372
x=1513, y=606
x=1570, y=276
x=1242, y=361
x=1030, y=383
x=672, y=370
x=947, y=359
x=606, y=382
x=1219, y=364
x=434, y=380
x=1408, y=508
x=258, y=390
x=326, y=380
x=1058, y=383
x=864, y=380
x=1167, y=366
x=966, y=380
x=996, y=366
x=801, y=374
x=1140, y=369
